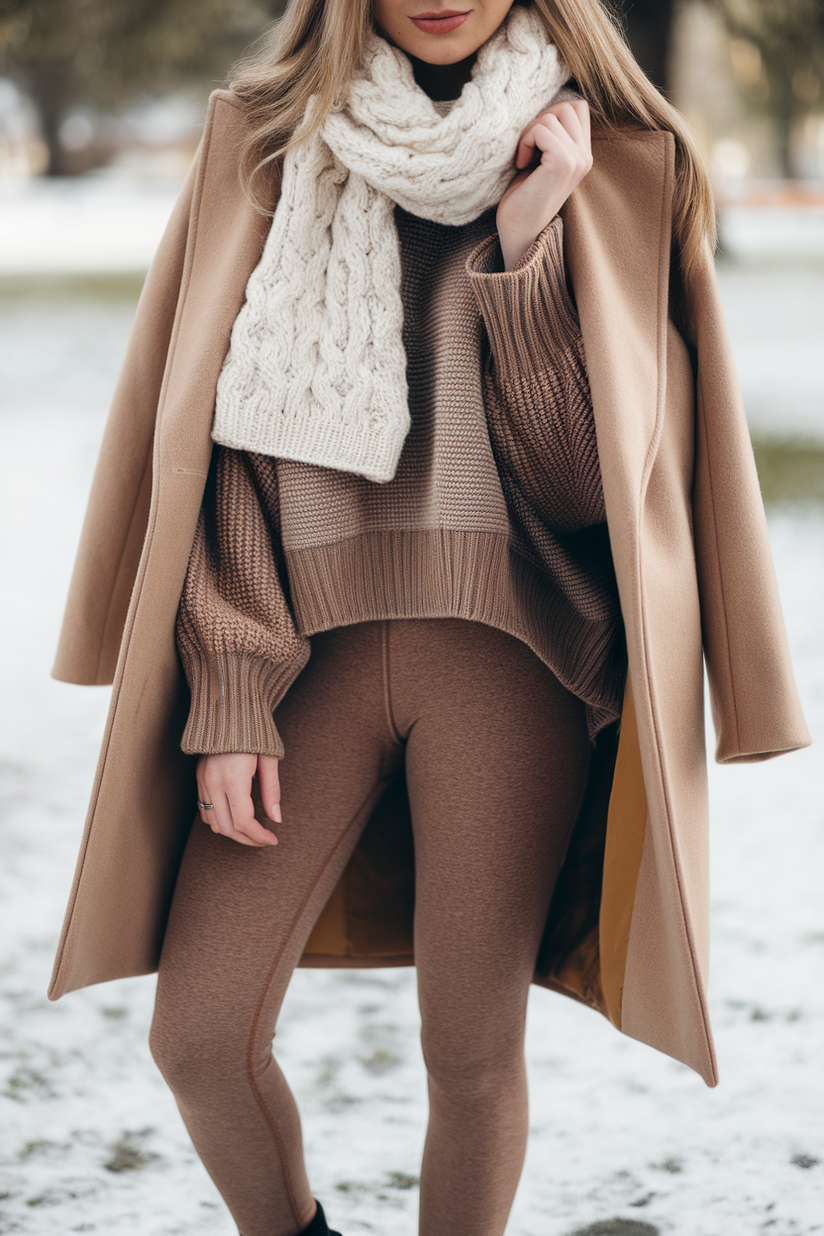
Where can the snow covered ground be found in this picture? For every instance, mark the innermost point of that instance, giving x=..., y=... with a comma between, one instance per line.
x=112, y=220
x=624, y=1141
x=92, y=223
x=775, y=312
x=749, y=232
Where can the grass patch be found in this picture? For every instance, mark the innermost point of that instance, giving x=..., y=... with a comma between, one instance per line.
x=328, y=1071
x=26, y=1083
x=790, y=471
x=62, y=288
x=39, y=1146
x=351, y=1186
x=128, y=1155
x=804, y=1160
x=402, y=1180
x=671, y=1165
x=380, y=1062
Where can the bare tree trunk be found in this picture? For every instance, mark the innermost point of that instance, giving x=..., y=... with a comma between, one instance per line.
x=784, y=124
x=46, y=88
x=649, y=30
x=50, y=132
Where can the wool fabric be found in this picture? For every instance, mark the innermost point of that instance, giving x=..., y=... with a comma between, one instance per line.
x=316, y=368
x=495, y=515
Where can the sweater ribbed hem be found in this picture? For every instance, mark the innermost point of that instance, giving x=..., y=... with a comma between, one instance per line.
x=233, y=698
x=478, y=576
x=529, y=314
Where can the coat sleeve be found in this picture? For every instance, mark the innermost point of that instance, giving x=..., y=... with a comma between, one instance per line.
x=755, y=704
x=235, y=632
x=118, y=510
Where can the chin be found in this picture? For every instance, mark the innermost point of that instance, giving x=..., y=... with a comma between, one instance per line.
x=441, y=53
x=442, y=57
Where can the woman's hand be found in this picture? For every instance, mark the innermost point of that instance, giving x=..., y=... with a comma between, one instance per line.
x=225, y=781
x=554, y=154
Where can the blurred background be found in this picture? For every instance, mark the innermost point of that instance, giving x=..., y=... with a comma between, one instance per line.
x=102, y=101
x=101, y=105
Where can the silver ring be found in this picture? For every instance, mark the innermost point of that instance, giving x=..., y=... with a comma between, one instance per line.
x=206, y=806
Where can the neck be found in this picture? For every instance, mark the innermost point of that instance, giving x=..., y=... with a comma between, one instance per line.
x=442, y=81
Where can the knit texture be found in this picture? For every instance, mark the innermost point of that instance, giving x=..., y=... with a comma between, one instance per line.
x=495, y=515
x=316, y=369
x=235, y=631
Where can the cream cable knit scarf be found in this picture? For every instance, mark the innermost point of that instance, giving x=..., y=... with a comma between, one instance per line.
x=316, y=369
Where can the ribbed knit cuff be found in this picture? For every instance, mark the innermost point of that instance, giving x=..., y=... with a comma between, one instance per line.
x=233, y=698
x=529, y=313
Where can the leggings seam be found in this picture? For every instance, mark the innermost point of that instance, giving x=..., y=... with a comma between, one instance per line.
x=387, y=684
x=250, y=1074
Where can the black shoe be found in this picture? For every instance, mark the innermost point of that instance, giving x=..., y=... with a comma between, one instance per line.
x=318, y=1226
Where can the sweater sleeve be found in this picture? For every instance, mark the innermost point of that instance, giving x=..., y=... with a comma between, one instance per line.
x=235, y=632
x=536, y=389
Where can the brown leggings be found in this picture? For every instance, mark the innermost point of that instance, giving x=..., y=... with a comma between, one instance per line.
x=496, y=757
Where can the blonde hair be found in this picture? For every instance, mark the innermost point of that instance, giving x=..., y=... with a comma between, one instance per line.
x=316, y=46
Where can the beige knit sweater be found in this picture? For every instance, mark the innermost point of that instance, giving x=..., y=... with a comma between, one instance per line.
x=495, y=514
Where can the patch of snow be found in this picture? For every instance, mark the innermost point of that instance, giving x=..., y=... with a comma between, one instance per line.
x=17, y=117
x=757, y=232
x=775, y=315
x=161, y=121
x=89, y=225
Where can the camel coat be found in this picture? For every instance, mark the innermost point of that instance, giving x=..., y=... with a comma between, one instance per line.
x=628, y=928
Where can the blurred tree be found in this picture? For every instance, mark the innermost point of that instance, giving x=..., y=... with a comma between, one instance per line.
x=66, y=54
x=102, y=54
x=777, y=52
x=648, y=24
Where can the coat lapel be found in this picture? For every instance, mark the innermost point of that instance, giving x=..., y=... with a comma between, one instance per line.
x=617, y=248
x=226, y=240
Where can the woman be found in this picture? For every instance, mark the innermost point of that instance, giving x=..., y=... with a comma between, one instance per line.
x=401, y=533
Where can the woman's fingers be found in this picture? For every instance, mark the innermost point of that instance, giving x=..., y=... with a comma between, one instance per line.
x=566, y=122
x=220, y=817
x=245, y=828
x=573, y=116
x=557, y=148
x=269, y=781
x=563, y=162
x=225, y=782
x=560, y=156
x=553, y=156
x=205, y=805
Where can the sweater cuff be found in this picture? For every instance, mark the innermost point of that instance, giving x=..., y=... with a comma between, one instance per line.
x=233, y=698
x=529, y=313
